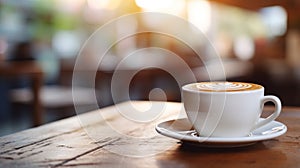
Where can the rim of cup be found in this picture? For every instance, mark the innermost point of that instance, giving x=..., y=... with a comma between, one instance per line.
x=186, y=88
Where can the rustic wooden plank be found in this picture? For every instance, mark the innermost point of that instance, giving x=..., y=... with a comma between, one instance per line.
x=38, y=134
x=279, y=152
x=60, y=142
x=265, y=154
x=105, y=138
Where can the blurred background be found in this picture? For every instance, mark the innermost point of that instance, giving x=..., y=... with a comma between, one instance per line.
x=258, y=41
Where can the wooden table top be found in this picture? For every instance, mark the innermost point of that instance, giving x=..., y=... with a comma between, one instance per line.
x=107, y=138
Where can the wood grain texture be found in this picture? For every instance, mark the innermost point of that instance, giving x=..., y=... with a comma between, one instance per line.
x=87, y=141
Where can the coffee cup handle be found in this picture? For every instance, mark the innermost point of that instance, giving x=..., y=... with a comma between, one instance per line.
x=275, y=114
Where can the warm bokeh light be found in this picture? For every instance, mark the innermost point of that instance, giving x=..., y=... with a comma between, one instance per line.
x=103, y=4
x=166, y=6
x=199, y=13
x=154, y=4
x=244, y=47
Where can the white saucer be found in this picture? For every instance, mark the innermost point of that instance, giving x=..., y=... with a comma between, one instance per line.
x=181, y=129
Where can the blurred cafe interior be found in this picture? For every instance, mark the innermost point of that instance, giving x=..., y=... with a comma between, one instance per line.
x=40, y=40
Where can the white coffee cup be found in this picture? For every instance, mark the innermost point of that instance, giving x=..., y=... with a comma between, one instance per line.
x=227, y=109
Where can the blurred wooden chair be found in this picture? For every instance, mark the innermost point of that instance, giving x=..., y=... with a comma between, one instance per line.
x=14, y=70
x=43, y=97
x=55, y=97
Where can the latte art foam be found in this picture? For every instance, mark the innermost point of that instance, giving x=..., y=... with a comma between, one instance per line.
x=226, y=86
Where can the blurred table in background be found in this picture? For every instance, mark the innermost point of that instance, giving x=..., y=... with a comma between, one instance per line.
x=30, y=69
x=146, y=73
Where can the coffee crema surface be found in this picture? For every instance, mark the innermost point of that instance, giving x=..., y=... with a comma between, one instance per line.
x=225, y=86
